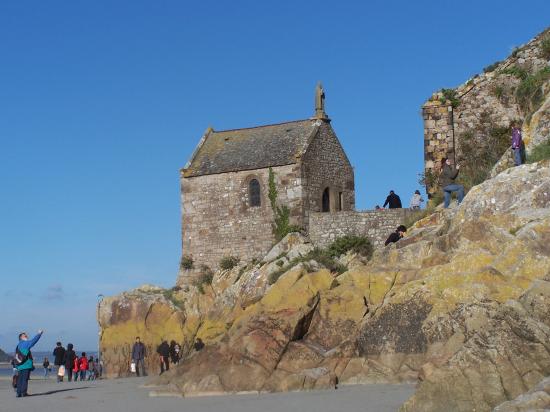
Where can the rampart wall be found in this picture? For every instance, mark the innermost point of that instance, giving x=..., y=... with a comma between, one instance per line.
x=324, y=228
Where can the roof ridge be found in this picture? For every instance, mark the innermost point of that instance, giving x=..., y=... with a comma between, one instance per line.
x=263, y=125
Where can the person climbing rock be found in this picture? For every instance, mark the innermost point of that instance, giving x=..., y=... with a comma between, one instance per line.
x=395, y=236
x=447, y=179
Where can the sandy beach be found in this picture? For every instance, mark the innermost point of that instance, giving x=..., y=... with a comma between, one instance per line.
x=121, y=395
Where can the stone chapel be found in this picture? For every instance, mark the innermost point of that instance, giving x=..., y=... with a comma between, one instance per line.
x=224, y=186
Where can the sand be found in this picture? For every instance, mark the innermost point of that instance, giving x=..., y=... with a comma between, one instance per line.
x=121, y=395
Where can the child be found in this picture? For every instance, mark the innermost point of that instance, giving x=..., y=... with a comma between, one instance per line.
x=91, y=368
x=15, y=374
x=76, y=368
x=46, y=366
x=416, y=200
x=83, y=365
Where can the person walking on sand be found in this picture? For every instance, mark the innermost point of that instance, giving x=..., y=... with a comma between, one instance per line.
x=138, y=356
x=395, y=236
x=91, y=368
x=46, y=366
x=164, y=356
x=76, y=367
x=393, y=201
x=447, y=180
x=416, y=201
x=24, y=362
x=517, y=143
x=83, y=366
x=69, y=360
x=58, y=355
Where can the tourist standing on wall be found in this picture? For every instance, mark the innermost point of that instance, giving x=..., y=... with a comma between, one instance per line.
x=447, y=180
x=393, y=201
x=69, y=361
x=164, y=356
x=58, y=355
x=395, y=236
x=138, y=356
x=24, y=362
x=517, y=143
x=416, y=200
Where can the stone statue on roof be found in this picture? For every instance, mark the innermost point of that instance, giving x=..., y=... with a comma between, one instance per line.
x=320, y=102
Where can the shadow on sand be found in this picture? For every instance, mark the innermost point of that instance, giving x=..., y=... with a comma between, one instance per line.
x=58, y=390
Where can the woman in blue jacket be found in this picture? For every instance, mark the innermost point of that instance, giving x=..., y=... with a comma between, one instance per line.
x=24, y=361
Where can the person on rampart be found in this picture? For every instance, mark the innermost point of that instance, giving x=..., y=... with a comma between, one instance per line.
x=416, y=200
x=447, y=179
x=395, y=236
x=24, y=362
x=393, y=201
x=517, y=144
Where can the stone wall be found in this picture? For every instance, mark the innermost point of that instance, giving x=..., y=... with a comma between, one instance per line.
x=484, y=103
x=324, y=228
x=325, y=165
x=217, y=220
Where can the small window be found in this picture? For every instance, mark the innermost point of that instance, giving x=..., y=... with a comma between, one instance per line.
x=341, y=201
x=325, y=201
x=254, y=197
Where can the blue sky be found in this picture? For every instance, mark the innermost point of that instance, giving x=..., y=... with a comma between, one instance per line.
x=102, y=102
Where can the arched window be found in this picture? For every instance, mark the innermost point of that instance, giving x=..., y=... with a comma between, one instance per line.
x=254, y=197
x=325, y=201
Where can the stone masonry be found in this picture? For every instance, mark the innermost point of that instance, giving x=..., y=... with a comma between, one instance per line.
x=218, y=222
x=220, y=216
x=375, y=224
x=485, y=99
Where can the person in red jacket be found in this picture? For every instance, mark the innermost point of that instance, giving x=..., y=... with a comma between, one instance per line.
x=76, y=368
x=83, y=366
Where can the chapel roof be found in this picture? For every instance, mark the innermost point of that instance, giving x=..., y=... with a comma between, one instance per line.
x=251, y=148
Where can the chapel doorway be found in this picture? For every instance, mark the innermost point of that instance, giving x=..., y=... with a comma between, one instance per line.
x=325, y=201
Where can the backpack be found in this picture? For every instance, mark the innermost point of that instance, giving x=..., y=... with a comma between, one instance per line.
x=19, y=358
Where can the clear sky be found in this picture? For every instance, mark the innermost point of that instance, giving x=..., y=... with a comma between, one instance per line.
x=102, y=102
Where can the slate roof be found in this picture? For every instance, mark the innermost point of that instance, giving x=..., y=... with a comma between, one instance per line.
x=252, y=148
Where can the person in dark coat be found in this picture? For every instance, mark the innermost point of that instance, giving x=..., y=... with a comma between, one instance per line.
x=395, y=236
x=138, y=356
x=164, y=353
x=69, y=360
x=174, y=352
x=447, y=180
x=199, y=344
x=59, y=354
x=393, y=201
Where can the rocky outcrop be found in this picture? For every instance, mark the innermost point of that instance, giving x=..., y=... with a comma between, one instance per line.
x=470, y=124
x=461, y=305
x=537, y=399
